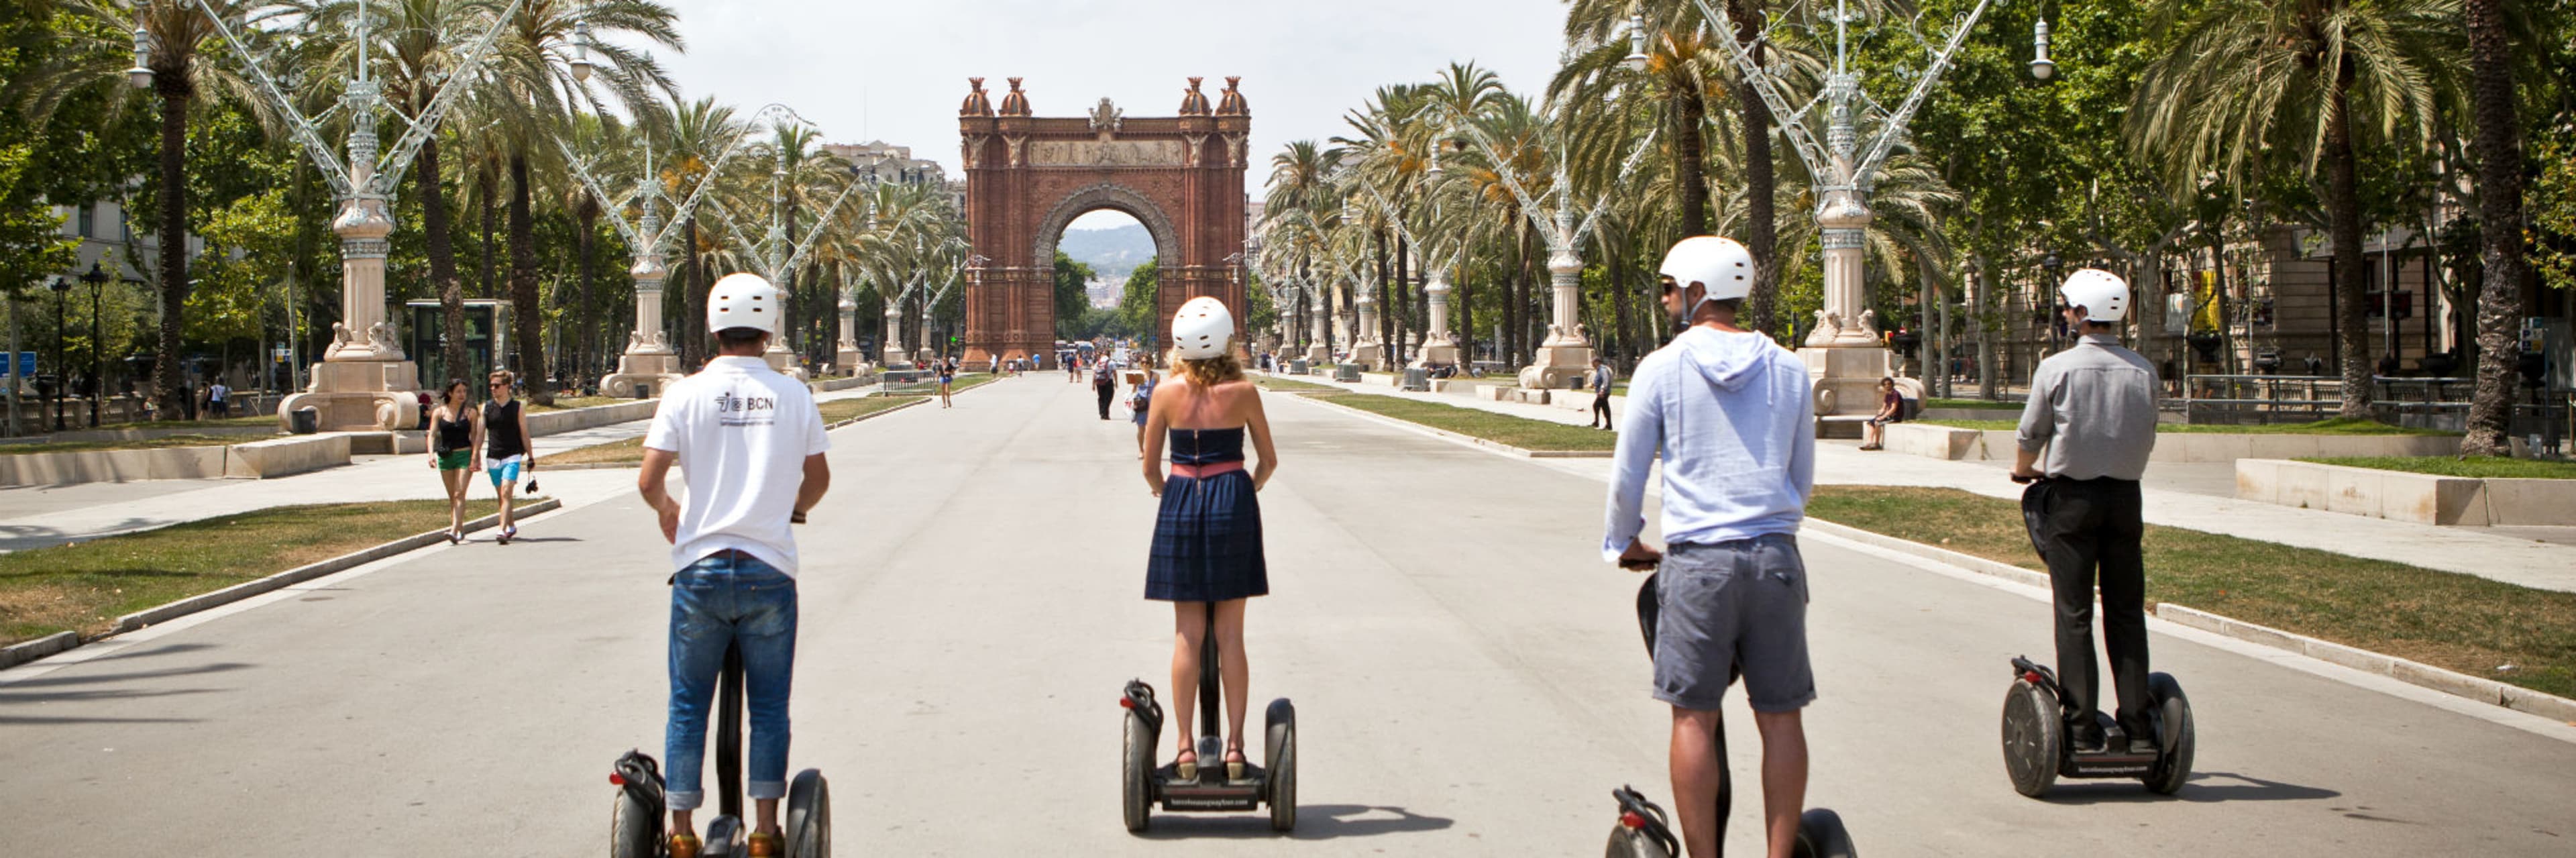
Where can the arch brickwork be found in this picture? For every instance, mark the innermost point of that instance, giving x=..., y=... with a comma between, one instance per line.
x=1028, y=176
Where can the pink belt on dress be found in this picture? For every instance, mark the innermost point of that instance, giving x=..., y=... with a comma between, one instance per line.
x=1201, y=472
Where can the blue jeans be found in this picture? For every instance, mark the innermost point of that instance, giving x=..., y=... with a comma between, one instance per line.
x=729, y=599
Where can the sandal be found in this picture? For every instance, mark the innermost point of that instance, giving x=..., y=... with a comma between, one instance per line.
x=1187, y=764
x=686, y=846
x=508, y=533
x=766, y=845
x=455, y=536
x=1234, y=762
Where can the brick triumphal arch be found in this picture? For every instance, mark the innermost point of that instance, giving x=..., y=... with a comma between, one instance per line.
x=1027, y=176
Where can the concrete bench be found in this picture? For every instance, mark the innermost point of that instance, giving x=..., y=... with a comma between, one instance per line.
x=2402, y=496
x=264, y=459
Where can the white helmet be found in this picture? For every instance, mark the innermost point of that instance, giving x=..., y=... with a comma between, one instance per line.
x=744, y=301
x=2102, y=294
x=1202, y=329
x=1721, y=265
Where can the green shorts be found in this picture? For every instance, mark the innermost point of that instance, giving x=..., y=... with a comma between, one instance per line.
x=455, y=460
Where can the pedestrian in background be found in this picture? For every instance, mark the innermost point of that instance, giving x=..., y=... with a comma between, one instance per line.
x=1601, y=378
x=455, y=434
x=1104, y=385
x=506, y=449
x=1891, y=407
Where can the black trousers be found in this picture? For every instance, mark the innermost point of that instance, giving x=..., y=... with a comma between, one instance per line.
x=2087, y=531
x=1601, y=408
x=1106, y=392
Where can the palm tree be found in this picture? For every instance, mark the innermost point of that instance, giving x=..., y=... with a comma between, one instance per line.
x=2499, y=151
x=1301, y=191
x=177, y=30
x=2244, y=78
x=533, y=75
x=1684, y=72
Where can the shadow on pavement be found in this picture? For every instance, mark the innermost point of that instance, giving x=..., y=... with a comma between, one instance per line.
x=2200, y=788
x=7, y=699
x=1314, y=822
x=50, y=679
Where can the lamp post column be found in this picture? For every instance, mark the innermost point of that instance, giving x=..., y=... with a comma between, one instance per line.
x=846, y=355
x=894, y=355
x=1321, y=316
x=1365, y=348
x=1438, y=349
x=649, y=366
x=1566, y=354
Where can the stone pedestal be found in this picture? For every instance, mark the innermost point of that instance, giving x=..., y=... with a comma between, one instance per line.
x=364, y=382
x=1565, y=357
x=1370, y=355
x=1845, y=380
x=1318, y=355
x=648, y=360
x=1438, y=348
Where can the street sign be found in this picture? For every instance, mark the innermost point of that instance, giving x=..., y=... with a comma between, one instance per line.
x=25, y=364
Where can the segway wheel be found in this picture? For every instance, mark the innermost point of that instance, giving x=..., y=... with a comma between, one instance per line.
x=2034, y=738
x=1280, y=755
x=809, y=816
x=2173, y=765
x=1821, y=835
x=634, y=829
x=1136, y=770
x=1628, y=842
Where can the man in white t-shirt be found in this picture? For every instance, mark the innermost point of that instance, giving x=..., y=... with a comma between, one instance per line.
x=751, y=442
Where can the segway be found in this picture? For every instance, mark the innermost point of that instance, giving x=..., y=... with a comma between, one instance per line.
x=1143, y=784
x=1644, y=831
x=636, y=823
x=2036, y=726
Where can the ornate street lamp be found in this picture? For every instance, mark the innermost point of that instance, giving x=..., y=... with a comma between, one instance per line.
x=140, y=76
x=1636, y=61
x=581, y=67
x=2040, y=65
x=97, y=281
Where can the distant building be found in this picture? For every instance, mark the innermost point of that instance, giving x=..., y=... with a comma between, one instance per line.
x=877, y=161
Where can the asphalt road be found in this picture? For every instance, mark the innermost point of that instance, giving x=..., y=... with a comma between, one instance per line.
x=1466, y=671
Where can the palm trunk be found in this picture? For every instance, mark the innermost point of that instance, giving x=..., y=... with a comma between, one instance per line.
x=1761, y=230
x=1621, y=326
x=2499, y=150
x=2343, y=221
x=1463, y=305
x=442, y=264
x=693, y=320
x=490, y=188
x=587, y=314
x=175, y=90
x=1516, y=318
x=523, y=286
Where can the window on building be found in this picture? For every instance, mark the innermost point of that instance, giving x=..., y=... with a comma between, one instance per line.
x=88, y=218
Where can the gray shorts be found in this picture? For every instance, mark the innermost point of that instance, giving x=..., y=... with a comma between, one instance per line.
x=1728, y=608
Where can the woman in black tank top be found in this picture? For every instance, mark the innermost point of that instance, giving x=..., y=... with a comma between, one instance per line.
x=505, y=447
x=453, y=436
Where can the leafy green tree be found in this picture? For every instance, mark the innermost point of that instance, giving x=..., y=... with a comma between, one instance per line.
x=1138, y=301
x=2323, y=79
x=1072, y=303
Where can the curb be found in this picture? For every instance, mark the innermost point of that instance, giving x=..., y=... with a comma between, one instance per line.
x=21, y=653
x=1455, y=436
x=2410, y=672
x=61, y=641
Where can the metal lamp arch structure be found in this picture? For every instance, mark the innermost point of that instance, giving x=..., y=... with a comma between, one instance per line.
x=1027, y=177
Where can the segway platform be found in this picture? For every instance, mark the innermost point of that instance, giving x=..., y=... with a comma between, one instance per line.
x=1143, y=785
x=640, y=811
x=1644, y=831
x=2038, y=750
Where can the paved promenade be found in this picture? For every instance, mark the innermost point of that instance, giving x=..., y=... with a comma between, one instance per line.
x=2195, y=496
x=1466, y=671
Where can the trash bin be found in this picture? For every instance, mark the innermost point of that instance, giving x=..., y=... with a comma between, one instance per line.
x=304, y=421
x=1297, y=367
x=1347, y=373
x=1417, y=378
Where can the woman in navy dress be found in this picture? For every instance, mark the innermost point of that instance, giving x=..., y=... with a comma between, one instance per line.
x=1207, y=538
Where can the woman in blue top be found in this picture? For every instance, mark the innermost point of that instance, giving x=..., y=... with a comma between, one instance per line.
x=1139, y=402
x=1207, y=537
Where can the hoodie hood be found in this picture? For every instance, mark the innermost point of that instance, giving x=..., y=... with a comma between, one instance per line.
x=1727, y=361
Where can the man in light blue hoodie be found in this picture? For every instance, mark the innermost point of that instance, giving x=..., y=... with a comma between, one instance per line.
x=1729, y=411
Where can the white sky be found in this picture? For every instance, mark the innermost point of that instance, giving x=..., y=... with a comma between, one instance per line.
x=896, y=71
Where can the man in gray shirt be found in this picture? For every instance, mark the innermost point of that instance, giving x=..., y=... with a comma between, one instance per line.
x=2085, y=436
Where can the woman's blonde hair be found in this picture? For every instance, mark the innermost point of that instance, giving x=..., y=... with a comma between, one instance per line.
x=1208, y=372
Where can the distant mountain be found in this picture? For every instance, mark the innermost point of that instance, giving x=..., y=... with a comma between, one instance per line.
x=1111, y=253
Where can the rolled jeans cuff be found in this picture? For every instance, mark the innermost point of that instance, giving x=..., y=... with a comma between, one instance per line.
x=767, y=789
x=678, y=800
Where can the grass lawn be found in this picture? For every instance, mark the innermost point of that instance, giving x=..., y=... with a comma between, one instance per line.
x=2330, y=426
x=85, y=586
x=2453, y=466
x=568, y=403
x=135, y=444
x=1983, y=404
x=2462, y=622
x=838, y=410
x=1519, y=432
x=1290, y=385
x=631, y=450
